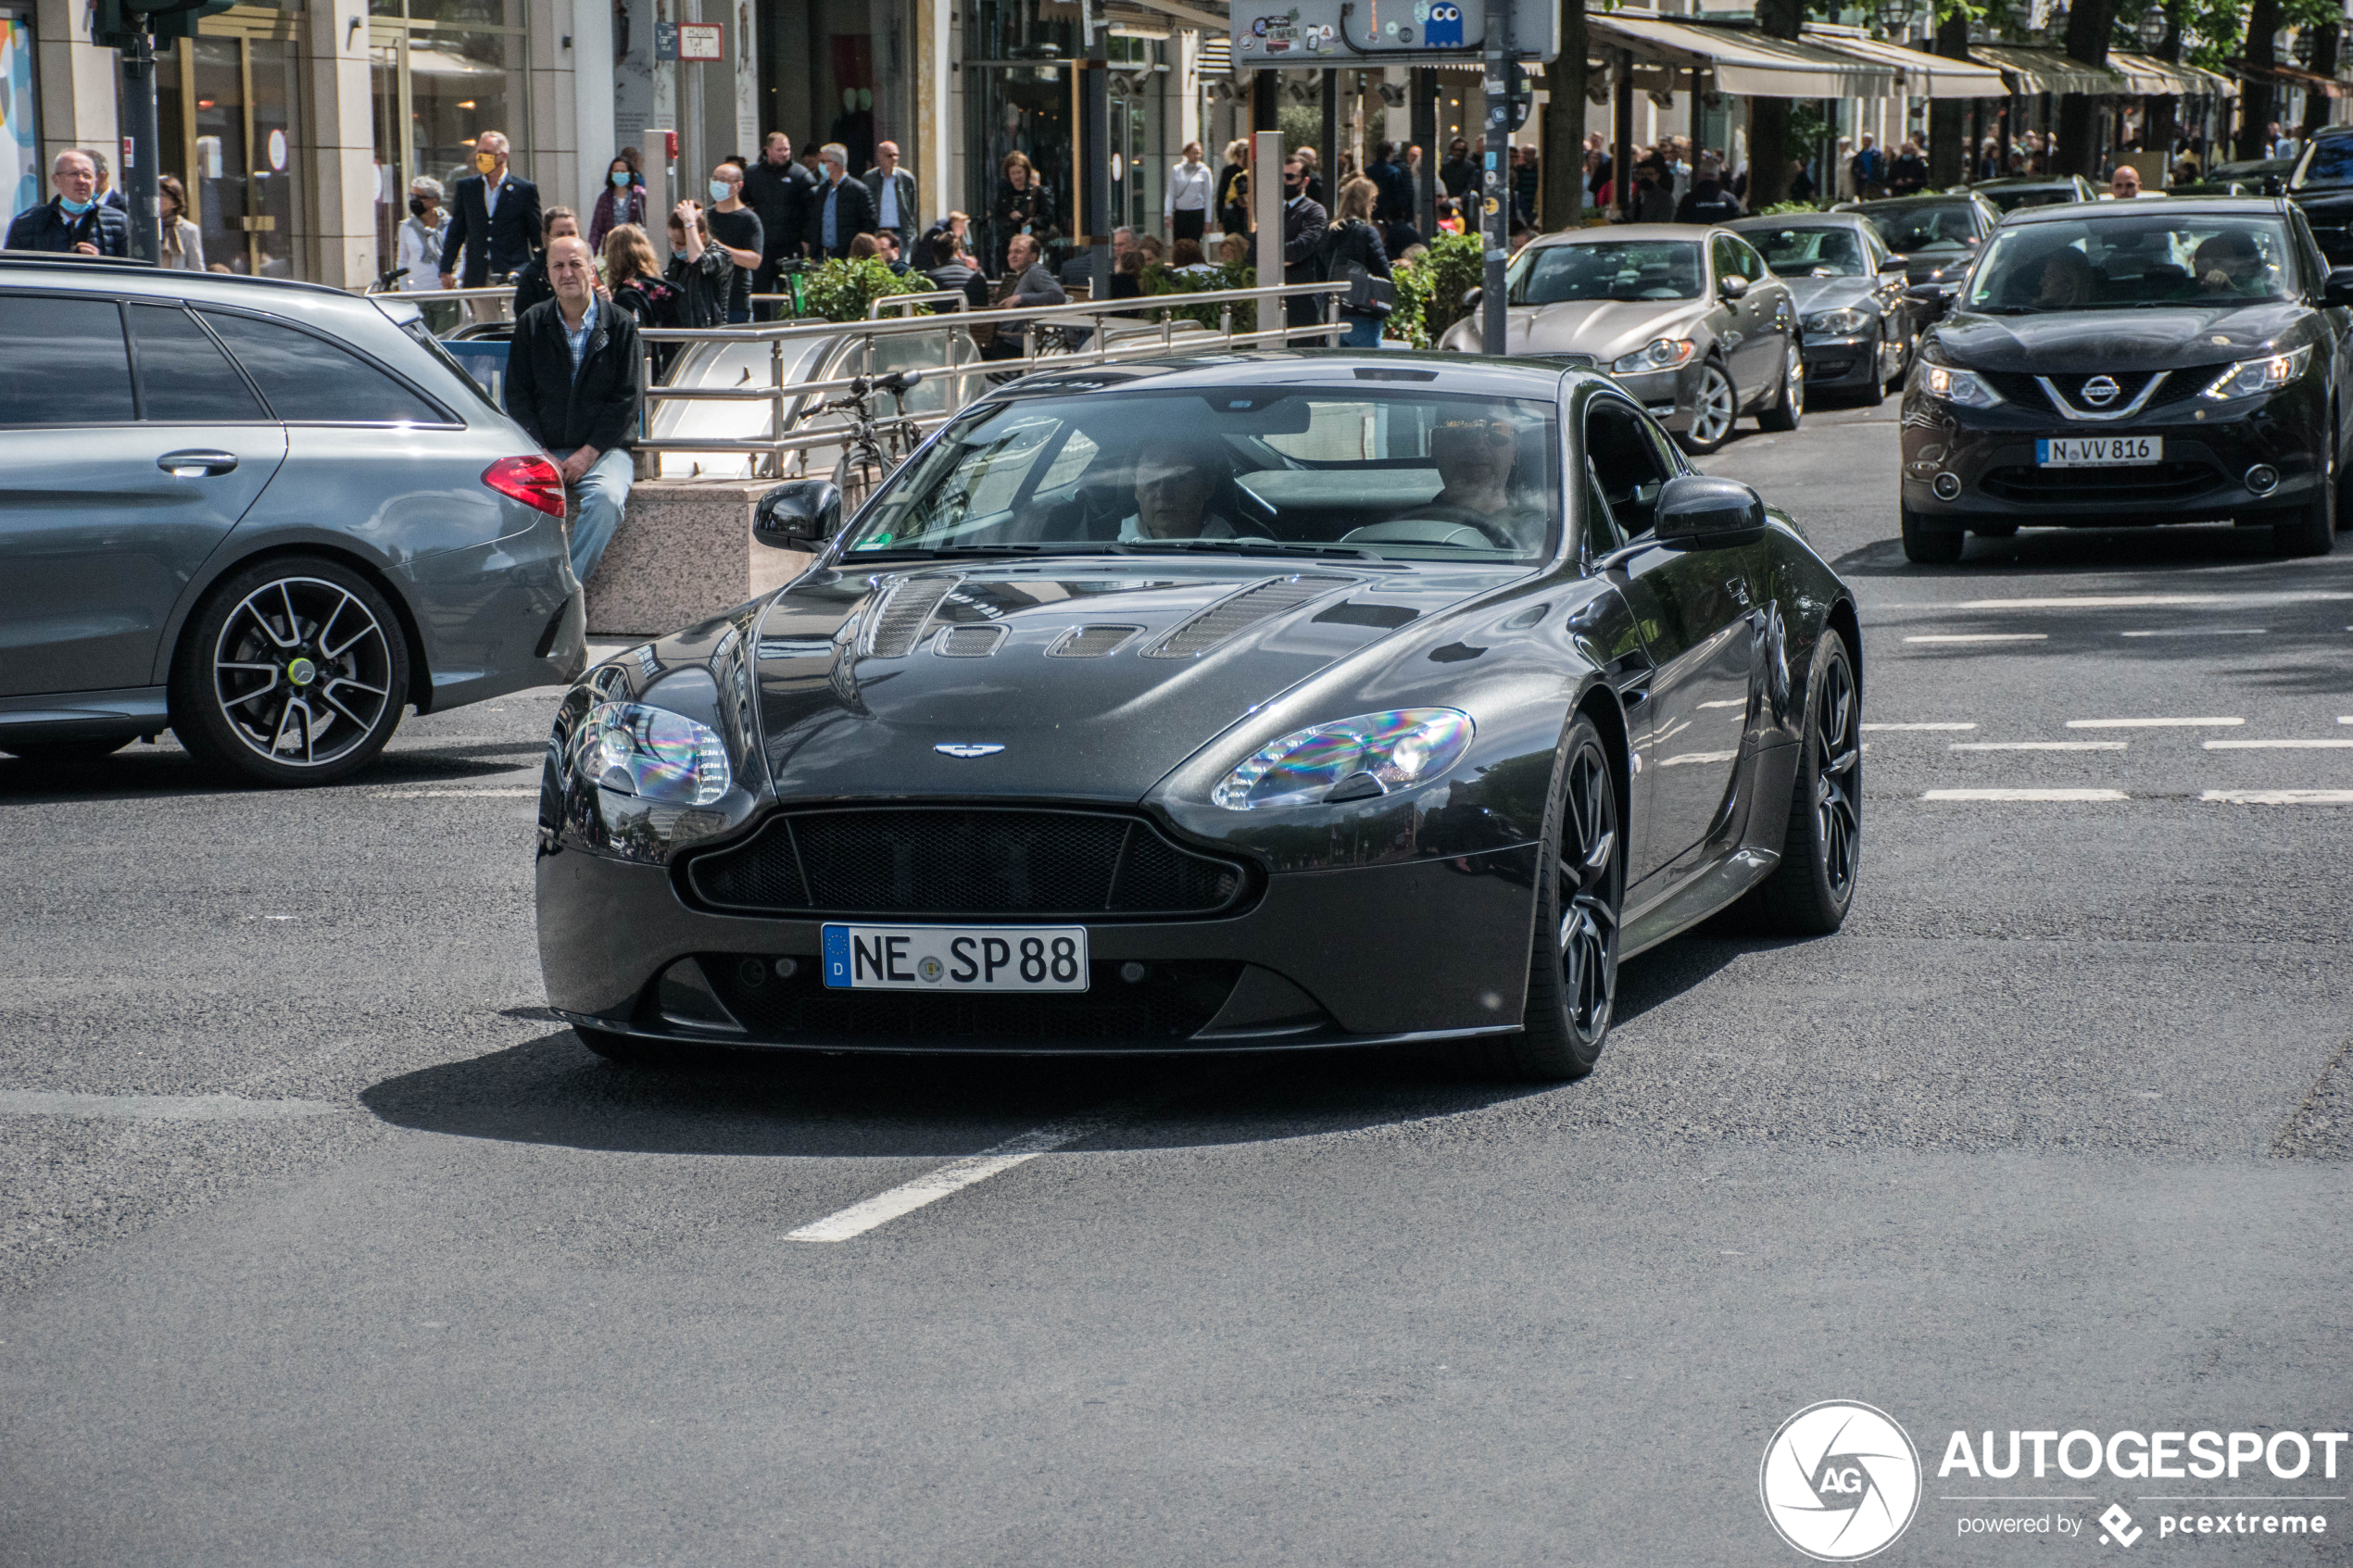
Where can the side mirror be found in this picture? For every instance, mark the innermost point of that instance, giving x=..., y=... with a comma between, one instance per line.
x=2337, y=288
x=1702, y=512
x=1893, y=264
x=1731, y=286
x=798, y=516
x=1931, y=299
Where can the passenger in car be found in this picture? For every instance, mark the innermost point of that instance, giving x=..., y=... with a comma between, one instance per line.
x=1175, y=478
x=2228, y=264
x=2064, y=282
x=1476, y=456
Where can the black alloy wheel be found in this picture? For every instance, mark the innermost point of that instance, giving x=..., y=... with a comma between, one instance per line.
x=1924, y=545
x=1572, y=976
x=293, y=671
x=1809, y=892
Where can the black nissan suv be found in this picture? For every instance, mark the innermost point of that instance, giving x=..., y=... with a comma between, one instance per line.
x=2114, y=364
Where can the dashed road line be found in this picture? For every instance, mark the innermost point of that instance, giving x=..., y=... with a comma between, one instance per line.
x=456, y=793
x=2041, y=745
x=930, y=1187
x=158, y=1107
x=2062, y=794
x=2204, y=632
x=2141, y=601
x=1942, y=640
x=2278, y=797
x=2153, y=724
x=1968, y=726
x=2331, y=742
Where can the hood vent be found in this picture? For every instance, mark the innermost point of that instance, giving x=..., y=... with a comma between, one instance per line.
x=1238, y=612
x=970, y=642
x=1091, y=642
x=906, y=610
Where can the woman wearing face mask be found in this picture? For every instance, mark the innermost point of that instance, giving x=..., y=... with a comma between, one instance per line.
x=621, y=201
x=183, y=241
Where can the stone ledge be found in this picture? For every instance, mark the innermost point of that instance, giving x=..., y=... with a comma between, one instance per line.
x=683, y=552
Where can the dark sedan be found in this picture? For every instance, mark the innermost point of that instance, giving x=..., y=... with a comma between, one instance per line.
x=1848, y=290
x=1239, y=703
x=2013, y=192
x=2322, y=186
x=2131, y=363
x=1937, y=236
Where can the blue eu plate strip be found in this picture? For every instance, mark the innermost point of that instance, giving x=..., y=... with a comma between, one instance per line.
x=837, y=941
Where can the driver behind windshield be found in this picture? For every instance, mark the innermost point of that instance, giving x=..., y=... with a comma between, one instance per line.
x=1478, y=459
x=2228, y=264
x=1174, y=478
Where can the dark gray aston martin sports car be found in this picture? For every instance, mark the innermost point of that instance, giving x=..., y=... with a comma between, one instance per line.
x=1226, y=703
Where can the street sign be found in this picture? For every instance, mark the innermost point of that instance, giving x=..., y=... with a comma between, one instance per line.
x=700, y=43
x=665, y=41
x=1327, y=34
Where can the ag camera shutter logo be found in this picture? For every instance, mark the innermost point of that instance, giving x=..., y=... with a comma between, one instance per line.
x=1840, y=1481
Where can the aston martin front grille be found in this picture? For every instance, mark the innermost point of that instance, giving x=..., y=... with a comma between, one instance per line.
x=1170, y=1003
x=958, y=861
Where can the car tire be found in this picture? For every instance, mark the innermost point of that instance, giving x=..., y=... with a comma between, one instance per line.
x=314, y=635
x=1924, y=545
x=2308, y=529
x=1572, y=973
x=64, y=753
x=1875, y=392
x=1810, y=893
x=1714, y=409
x=1790, y=406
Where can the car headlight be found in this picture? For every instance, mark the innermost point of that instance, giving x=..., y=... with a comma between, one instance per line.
x=1369, y=755
x=651, y=753
x=1965, y=387
x=1839, y=323
x=2250, y=377
x=1663, y=354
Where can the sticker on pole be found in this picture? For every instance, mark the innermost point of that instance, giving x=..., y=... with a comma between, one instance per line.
x=700, y=43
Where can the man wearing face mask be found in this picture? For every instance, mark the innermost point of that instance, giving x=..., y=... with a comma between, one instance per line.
x=841, y=209
x=496, y=225
x=735, y=228
x=75, y=222
x=1303, y=225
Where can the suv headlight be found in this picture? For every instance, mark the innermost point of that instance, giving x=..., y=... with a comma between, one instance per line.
x=2249, y=378
x=1664, y=354
x=1965, y=387
x=1839, y=323
x=1369, y=755
x=651, y=753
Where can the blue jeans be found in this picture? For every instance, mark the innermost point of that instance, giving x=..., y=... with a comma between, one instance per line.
x=1363, y=332
x=739, y=317
x=602, y=492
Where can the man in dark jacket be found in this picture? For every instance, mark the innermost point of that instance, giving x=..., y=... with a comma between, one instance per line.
x=573, y=383
x=494, y=220
x=1707, y=201
x=1303, y=225
x=779, y=190
x=75, y=222
x=840, y=208
x=894, y=192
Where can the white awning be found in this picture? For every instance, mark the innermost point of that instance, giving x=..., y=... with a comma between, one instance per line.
x=1746, y=61
x=2033, y=71
x=1923, y=74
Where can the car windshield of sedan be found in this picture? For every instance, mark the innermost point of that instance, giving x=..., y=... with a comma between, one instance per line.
x=2010, y=199
x=2329, y=167
x=1621, y=269
x=1810, y=253
x=1925, y=227
x=1353, y=471
x=2122, y=262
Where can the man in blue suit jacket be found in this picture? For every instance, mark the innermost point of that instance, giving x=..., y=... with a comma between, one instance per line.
x=494, y=224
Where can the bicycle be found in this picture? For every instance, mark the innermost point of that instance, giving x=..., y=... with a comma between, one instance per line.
x=872, y=448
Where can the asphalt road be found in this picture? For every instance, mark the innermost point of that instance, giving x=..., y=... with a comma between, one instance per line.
x=319, y=1244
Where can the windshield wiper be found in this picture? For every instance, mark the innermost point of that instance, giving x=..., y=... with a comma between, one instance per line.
x=906, y=552
x=1245, y=542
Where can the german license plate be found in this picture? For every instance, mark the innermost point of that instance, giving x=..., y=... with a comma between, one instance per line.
x=2099, y=451
x=955, y=958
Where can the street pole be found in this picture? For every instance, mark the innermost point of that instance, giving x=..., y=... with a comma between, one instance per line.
x=1494, y=206
x=1095, y=93
x=139, y=157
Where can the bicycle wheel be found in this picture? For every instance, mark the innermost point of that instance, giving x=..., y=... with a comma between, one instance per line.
x=859, y=475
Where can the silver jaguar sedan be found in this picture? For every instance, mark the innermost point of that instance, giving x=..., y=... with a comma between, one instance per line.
x=1689, y=320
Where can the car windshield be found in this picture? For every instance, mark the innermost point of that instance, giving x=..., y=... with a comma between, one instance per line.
x=1625, y=269
x=2327, y=166
x=1809, y=253
x=2163, y=259
x=1348, y=471
x=1948, y=227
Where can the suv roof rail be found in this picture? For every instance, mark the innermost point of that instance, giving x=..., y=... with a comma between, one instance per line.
x=51, y=261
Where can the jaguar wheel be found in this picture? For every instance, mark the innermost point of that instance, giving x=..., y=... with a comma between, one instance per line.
x=1789, y=408
x=1714, y=407
x=1809, y=892
x=293, y=671
x=1572, y=976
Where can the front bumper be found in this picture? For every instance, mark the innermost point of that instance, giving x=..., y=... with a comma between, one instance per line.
x=1841, y=364
x=1667, y=394
x=1423, y=949
x=1991, y=453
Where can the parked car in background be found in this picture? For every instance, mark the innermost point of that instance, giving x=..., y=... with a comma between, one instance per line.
x=269, y=516
x=1689, y=320
x=1848, y=288
x=2121, y=364
x=2263, y=176
x=2322, y=187
x=1937, y=236
x=2036, y=190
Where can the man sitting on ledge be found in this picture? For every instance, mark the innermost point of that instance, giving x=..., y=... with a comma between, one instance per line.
x=573, y=383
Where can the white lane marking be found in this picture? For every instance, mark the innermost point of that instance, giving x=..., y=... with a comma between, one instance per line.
x=2278, y=797
x=1959, y=726
x=2153, y=724
x=933, y=1185
x=1985, y=637
x=2346, y=718
x=456, y=793
x=2331, y=743
x=157, y=1108
x=2140, y=601
x=2204, y=632
x=2025, y=795
x=2041, y=745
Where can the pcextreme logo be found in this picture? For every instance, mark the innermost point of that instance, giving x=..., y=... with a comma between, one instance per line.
x=1840, y=1481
